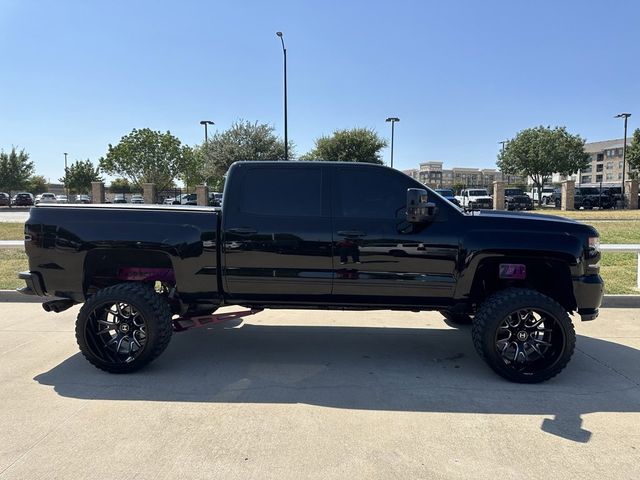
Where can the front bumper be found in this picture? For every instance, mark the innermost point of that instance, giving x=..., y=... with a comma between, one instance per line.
x=588, y=291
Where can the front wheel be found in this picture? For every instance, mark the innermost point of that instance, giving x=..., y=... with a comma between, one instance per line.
x=123, y=327
x=523, y=335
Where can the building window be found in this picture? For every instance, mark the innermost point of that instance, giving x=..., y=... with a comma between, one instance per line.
x=600, y=157
x=599, y=168
x=620, y=176
x=586, y=179
x=598, y=178
x=587, y=170
x=609, y=165
x=620, y=164
x=609, y=176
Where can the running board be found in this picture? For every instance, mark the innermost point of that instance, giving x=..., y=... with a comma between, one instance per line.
x=187, y=322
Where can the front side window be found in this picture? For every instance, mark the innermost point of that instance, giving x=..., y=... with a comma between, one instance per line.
x=371, y=193
x=288, y=192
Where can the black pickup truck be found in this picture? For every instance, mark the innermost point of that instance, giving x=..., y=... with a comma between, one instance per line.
x=317, y=235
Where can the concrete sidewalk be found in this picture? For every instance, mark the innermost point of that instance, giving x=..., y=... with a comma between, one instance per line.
x=304, y=394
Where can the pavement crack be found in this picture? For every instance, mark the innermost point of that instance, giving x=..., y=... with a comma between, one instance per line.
x=606, y=365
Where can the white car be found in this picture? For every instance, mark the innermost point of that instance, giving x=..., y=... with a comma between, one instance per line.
x=137, y=198
x=475, y=198
x=62, y=199
x=545, y=194
x=46, y=198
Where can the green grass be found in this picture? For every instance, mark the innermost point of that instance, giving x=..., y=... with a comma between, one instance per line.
x=619, y=273
x=12, y=261
x=11, y=231
x=592, y=214
x=617, y=231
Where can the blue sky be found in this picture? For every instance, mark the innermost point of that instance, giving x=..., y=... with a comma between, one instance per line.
x=461, y=76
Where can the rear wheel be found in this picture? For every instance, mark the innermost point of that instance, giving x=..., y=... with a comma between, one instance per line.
x=523, y=335
x=124, y=327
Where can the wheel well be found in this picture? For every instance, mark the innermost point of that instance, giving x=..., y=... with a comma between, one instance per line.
x=550, y=277
x=103, y=268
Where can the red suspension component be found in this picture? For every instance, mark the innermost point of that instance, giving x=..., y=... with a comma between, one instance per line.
x=187, y=322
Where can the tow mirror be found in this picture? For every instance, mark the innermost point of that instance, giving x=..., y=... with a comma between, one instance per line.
x=419, y=208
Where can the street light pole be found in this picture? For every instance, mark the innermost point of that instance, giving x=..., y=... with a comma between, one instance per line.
x=393, y=121
x=206, y=123
x=624, y=153
x=286, y=138
x=206, y=134
x=66, y=180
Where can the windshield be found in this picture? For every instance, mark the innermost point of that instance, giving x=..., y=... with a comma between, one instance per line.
x=445, y=192
x=477, y=193
x=513, y=191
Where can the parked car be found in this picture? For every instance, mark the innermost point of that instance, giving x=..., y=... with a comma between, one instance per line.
x=590, y=197
x=120, y=198
x=62, y=199
x=555, y=198
x=215, y=199
x=182, y=199
x=475, y=198
x=81, y=198
x=373, y=238
x=544, y=195
x=137, y=198
x=516, y=199
x=5, y=200
x=449, y=195
x=46, y=198
x=22, y=199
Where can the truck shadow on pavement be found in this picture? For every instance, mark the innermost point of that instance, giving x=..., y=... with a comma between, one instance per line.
x=392, y=369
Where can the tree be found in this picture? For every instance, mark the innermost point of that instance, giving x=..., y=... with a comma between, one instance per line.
x=542, y=151
x=242, y=141
x=633, y=154
x=79, y=175
x=120, y=185
x=354, y=145
x=15, y=170
x=36, y=184
x=147, y=156
x=194, y=172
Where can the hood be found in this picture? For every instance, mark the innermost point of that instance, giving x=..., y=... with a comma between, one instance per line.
x=531, y=221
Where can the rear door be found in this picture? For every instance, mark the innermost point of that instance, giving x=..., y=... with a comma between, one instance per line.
x=277, y=232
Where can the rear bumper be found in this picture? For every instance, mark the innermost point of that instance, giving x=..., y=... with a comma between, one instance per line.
x=588, y=291
x=35, y=285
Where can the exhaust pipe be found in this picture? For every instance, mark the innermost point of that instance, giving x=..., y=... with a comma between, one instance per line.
x=58, y=306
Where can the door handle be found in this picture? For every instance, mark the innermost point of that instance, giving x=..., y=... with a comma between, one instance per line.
x=242, y=231
x=352, y=233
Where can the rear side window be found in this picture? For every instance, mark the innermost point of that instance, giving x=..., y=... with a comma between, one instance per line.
x=289, y=192
x=371, y=193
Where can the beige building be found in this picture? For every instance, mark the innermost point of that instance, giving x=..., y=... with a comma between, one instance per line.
x=433, y=175
x=606, y=162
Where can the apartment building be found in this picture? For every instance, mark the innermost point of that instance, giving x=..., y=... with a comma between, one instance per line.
x=433, y=175
x=606, y=162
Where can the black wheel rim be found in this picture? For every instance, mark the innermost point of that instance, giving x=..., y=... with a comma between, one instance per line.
x=116, y=332
x=529, y=341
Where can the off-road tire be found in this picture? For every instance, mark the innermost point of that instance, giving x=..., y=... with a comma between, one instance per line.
x=497, y=309
x=151, y=308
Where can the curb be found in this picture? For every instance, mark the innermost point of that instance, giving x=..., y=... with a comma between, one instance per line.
x=609, y=301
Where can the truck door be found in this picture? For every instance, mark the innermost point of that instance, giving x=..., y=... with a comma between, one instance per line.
x=378, y=257
x=276, y=232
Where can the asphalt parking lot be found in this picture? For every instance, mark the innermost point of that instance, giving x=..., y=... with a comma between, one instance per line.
x=298, y=394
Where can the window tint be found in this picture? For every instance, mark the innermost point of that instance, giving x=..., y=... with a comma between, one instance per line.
x=289, y=192
x=371, y=193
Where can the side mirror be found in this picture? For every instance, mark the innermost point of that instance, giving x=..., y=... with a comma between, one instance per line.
x=419, y=209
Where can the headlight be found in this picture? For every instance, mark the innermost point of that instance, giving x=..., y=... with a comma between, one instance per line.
x=594, y=243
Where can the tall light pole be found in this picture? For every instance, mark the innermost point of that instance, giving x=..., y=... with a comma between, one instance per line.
x=66, y=180
x=206, y=134
x=393, y=121
x=286, y=138
x=624, y=152
x=206, y=123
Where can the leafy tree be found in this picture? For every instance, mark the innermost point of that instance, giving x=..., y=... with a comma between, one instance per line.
x=15, y=170
x=79, y=175
x=242, y=141
x=37, y=184
x=458, y=187
x=542, y=151
x=120, y=185
x=194, y=172
x=354, y=145
x=147, y=156
x=633, y=153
